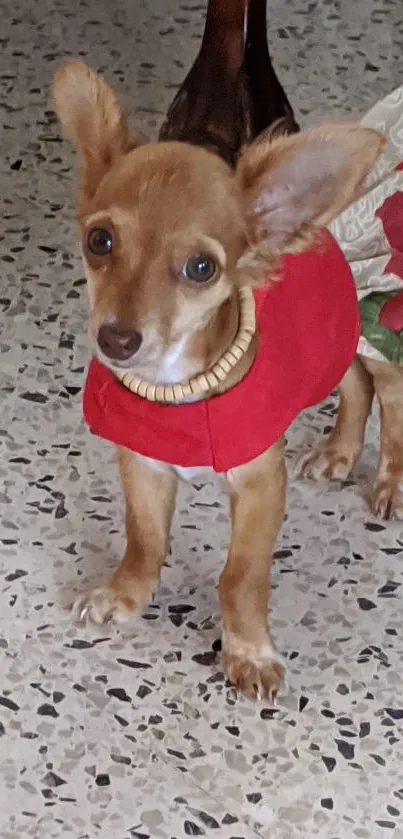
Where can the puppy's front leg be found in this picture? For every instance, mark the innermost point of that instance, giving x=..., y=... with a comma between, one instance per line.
x=257, y=498
x=150, y=500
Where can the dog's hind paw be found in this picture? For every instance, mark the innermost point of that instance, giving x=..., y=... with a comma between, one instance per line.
x=101, y=605
x=326, y=463
x=386, y=501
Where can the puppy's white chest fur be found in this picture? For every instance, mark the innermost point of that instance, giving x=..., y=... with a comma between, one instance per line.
x=184, y=473
x=174, y=367
x=193, y=473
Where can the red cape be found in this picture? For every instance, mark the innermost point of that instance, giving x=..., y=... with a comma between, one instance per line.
x=308, y=334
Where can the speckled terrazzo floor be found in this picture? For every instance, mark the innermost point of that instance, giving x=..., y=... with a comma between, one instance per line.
x=107, y=735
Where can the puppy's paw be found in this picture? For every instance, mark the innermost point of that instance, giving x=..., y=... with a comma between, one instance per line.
x=386, y=500
x=101, y=605
x=326, y=463
x=256, y=671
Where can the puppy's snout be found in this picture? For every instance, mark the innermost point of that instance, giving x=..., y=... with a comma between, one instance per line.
x=118, y=342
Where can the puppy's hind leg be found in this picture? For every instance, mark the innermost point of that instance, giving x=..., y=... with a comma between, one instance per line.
x=387, y=496
x=336, y=457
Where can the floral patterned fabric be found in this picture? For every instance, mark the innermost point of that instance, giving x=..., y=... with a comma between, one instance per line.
x=370, y=233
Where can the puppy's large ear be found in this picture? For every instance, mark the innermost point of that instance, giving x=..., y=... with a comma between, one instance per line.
x=293, y=186
x=91, y=119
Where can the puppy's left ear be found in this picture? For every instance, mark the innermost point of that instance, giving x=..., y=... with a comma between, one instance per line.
x=292, y=186
x=91, y=119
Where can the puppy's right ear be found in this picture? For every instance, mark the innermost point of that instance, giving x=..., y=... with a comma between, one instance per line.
x=293, y=186
x=91, y=119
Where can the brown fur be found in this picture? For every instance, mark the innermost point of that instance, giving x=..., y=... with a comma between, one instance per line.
x=162, y=203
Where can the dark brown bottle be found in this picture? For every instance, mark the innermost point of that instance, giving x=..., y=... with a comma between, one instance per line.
x=231, y=94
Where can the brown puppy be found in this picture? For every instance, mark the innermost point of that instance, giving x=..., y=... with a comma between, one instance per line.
x=143, y=212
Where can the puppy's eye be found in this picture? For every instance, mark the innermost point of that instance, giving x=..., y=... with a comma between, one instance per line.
x=199, y=268
x=99, y=241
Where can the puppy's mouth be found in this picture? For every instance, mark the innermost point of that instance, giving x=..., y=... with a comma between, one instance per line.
x=115, y=364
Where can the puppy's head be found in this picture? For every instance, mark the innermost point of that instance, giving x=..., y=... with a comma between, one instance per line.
x=168, y=230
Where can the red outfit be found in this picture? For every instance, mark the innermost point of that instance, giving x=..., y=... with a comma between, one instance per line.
x=308, y=333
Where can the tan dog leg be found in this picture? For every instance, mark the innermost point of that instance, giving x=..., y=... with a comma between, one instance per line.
x=150, y=500
x=387, y=497
x=257, y=497
x=336, y=457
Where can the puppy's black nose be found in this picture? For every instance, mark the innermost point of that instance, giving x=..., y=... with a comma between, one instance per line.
x=118, y=342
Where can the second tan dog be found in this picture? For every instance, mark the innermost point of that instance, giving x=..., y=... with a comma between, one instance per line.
x=169, y=235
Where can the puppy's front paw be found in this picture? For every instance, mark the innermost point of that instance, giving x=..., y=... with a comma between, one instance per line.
x=387, y=500
x=256, y=671
x=326, y=463
x=101, y=605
